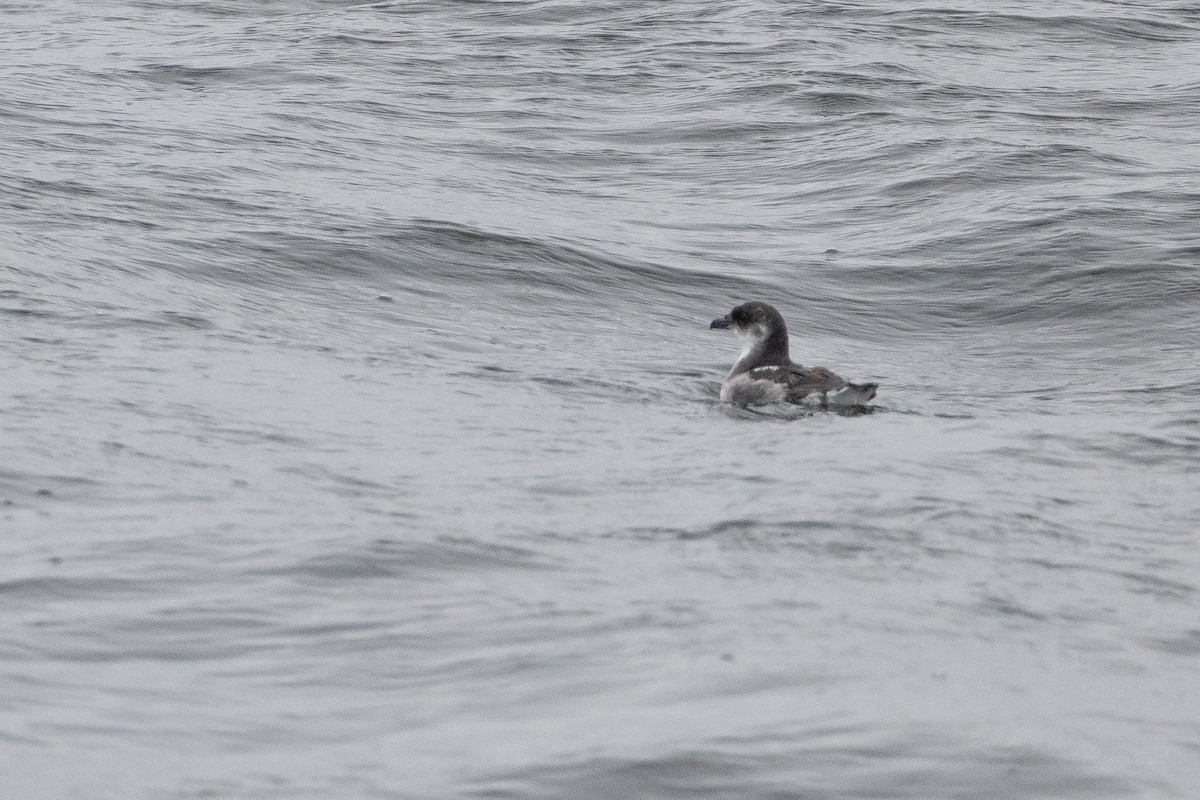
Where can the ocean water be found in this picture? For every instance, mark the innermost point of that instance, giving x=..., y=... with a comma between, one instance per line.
x=359, y=432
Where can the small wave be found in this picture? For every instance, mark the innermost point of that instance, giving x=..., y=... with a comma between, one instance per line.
x=1117, y=28
x=43, y=588
x=392, y=558
x=497, y=258
x=838, y=538
x=814, y=762
x=1185, y=644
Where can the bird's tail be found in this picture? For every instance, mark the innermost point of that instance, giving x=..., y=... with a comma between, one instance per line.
x=855, y=394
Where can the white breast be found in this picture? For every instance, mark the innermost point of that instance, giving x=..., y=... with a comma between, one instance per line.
x=742, y=390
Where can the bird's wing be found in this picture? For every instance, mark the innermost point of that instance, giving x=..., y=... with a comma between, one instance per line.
x=774, y=374
x=816, y=379
x=800, y=381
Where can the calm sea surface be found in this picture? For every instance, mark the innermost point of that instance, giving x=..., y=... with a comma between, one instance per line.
x=359, y=433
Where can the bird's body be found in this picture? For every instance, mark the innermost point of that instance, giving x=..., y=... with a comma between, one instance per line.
x=765, y=373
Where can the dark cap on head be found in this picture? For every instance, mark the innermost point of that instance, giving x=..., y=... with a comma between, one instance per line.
x=763, y=322
x=752, y=313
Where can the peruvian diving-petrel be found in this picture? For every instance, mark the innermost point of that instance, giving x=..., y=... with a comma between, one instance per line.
x=765, y=372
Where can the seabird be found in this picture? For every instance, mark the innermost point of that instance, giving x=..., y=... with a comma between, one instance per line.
x=765, y=373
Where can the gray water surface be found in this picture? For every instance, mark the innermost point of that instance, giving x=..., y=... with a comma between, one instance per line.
x=359, y=434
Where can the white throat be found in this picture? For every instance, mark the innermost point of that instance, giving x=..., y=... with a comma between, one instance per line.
x=752, y=340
